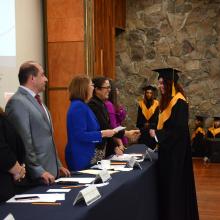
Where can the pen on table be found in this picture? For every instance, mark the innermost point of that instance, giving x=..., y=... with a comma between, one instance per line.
x=118, y=163
x=27, y=198
x=46, y=203
x=69, y=187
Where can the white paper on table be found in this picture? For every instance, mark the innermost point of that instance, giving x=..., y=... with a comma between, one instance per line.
x=99, y=184
x=136, y=155
x=123, y=169
x=95, y=172
x=73, y=179
x=51, y=197
x=127, y=157
x=58, y=190
x=123, y=157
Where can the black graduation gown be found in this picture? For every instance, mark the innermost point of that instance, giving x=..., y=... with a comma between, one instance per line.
x=11, y=150
x=198, y=145
x=210, y=135
x=145, y=137
x=177, y=195
x=211, y=144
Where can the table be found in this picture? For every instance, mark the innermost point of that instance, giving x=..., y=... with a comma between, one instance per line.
x=129, y=195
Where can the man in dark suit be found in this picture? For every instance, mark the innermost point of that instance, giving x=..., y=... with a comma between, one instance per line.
x=32, y=121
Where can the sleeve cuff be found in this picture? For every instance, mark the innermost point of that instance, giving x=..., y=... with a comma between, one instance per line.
x=155, y=137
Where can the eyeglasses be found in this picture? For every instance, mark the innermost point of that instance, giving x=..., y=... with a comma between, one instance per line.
x=105, y=87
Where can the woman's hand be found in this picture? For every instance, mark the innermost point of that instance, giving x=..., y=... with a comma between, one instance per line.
x=133, y=135
x=108, y=133
x=152, y=133
x=118, y=150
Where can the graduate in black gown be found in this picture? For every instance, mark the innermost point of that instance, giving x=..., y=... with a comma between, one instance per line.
x=177, y=194
x=214, y=131
x=198, y=137
x=213, y=139
x=147, y=117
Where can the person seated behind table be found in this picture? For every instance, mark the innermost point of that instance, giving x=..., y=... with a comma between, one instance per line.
x=198, y=137
x=100, y=95
x=116, y=112
x=83, y=129
x=212, y=133
x=147, y=117
x=12, y=154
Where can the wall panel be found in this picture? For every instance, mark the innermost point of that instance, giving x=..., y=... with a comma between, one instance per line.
x=58, y=105
x=65, y=59
x=65, y=20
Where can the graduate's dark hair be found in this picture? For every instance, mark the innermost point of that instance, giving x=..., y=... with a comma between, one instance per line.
x=152, y=98
x=167, y=96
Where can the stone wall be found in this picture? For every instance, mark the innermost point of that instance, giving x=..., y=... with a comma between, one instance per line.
x=184, y=34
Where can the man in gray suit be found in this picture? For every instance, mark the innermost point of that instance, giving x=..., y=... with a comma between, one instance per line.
x=33, y=122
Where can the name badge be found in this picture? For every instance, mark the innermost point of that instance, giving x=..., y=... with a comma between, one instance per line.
x=9, y=217
x=132, y=163
x=150, y=154
x=102, y=177
x=90, y=194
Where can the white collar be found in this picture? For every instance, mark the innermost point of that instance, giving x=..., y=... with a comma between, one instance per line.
x=31, y=92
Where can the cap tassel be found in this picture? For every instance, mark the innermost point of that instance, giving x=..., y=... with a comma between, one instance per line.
x=173, y=90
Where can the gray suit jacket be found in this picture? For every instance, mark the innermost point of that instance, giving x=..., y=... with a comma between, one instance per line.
x=32, y=123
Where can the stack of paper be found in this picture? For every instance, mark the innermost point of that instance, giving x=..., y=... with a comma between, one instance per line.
x=127, y=157
x=30, y=198
x=73, y=179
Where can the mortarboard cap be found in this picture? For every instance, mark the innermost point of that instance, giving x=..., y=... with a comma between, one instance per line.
x=200, y=118
x=168, y=73
x=216, y=118
x=149, y=87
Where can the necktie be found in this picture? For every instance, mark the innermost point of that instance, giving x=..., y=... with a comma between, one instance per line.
x=37, y=97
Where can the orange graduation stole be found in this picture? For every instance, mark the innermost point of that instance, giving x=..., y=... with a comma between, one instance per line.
x=199, y=129
x=165, y=115
x=148, y=112
x=214, y=131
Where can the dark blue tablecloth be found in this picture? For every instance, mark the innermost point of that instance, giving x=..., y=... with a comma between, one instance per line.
x=129, y=196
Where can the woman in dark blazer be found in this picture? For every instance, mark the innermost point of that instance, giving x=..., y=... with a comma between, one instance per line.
x=12, y=155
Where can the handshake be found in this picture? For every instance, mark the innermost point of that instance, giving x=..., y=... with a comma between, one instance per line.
x=133, y=135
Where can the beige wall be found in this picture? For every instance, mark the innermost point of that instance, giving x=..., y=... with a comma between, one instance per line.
x=29, y=43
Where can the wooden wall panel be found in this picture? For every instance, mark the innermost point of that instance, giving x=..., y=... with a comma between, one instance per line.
x=65, y=59
x=120, y=13
x=65, y=20
x=104, y=37
x=58, y=105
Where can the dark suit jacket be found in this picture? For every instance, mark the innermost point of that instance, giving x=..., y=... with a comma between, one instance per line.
x=101, y=113
x=11, y=150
